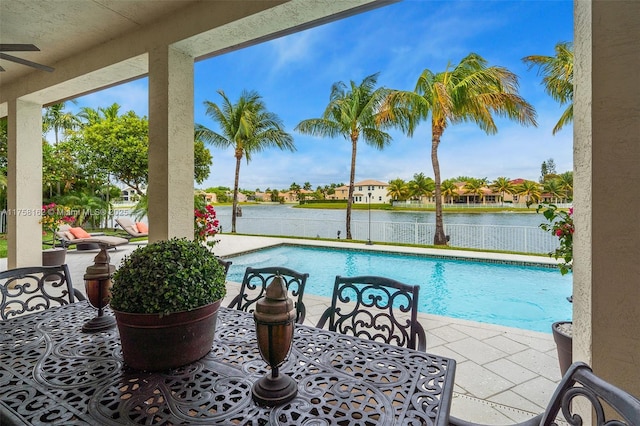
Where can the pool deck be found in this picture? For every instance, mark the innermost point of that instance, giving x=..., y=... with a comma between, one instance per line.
x=504, y=375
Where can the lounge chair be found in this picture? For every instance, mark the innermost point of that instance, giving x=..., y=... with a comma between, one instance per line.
x=68, y=235
x=133, y=228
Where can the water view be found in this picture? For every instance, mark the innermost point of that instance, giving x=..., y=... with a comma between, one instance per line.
x=517, y=232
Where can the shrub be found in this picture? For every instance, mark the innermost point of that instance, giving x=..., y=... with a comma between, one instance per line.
x=168, y=276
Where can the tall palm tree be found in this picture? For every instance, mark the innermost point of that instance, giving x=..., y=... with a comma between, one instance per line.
x=421, y=186
x=352, y=112
x=531, y=190
x=475, y=187
x=57, y=119
x=449, y=190
x=558, y=78
x=566, y=183
x=553, y=187
x=469, y=92
x=247, y=127
x=398, y=189
x=502, y=185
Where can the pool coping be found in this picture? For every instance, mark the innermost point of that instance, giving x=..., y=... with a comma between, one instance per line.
x=477, y=256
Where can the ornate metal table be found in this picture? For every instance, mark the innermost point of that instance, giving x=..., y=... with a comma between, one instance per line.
x=51, y=372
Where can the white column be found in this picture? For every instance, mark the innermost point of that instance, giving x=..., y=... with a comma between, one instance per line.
x=171, y=137
x=607, y=207
x=24, y=190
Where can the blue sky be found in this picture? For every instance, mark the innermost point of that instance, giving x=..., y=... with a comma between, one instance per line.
x=294, y=75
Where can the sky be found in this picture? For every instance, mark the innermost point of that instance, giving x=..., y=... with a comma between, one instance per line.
x=294, y=75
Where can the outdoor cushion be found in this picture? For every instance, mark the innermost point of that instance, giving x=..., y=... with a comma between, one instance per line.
x=131, y=229
x=69, y=236
x=79, y=233
x=142, y=227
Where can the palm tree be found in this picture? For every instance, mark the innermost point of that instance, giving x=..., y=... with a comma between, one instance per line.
x=475, y=187
x=553, y=187
x=449, y=190
x=558, y=78
x=566, y=183
x=531, y=190
x=56, y=119
x=247, y=127
x=470, y=91
x=502, y=185
x=398, y=189
x=353, y=112
x=421, y=186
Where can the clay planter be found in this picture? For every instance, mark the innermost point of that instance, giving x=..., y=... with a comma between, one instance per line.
x=152, y=342
x=563, y=336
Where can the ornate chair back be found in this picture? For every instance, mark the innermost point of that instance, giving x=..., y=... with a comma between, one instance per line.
x=376, y=308
x=29, y=289
x=255, y=282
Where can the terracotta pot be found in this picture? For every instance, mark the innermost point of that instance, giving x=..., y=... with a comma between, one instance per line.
x=564, y=344
x=152, y=342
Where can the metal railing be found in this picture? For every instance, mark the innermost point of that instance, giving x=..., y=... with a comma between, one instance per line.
x=524, y=239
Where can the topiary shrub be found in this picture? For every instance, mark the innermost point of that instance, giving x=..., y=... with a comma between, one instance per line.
x=167, y=276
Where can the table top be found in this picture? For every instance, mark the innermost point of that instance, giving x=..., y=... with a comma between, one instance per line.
x=51, y=372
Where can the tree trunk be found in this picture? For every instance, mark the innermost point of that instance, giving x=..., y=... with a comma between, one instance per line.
x=235, y=193
x=352, y=178
x=439, y=239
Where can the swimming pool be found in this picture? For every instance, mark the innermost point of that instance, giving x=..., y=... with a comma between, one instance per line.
x=527, y=297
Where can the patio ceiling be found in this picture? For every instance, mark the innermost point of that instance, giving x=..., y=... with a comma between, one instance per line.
x=93, y=44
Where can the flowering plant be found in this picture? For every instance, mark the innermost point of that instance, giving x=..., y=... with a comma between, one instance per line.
x=561, y=225
x=52, y=217
x=206, y=225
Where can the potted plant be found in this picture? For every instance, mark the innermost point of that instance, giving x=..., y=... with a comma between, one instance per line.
x=560, y=224
x=52, y=216
x=166, y=296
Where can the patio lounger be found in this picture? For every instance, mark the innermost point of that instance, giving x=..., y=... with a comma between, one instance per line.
x=69, y=236
x=132, y=228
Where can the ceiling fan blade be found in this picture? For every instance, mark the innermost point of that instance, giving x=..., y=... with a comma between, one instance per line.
x=25, y=62
x=18, y=48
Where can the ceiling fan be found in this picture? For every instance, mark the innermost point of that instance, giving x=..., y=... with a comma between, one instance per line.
x=21, y=48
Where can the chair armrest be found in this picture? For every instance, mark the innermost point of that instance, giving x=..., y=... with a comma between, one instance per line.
x=78, y=295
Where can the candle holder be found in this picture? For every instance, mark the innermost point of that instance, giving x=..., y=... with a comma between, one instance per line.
x=275, y=321
x=97, y=283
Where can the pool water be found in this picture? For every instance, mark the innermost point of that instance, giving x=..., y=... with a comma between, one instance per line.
x=526, y=297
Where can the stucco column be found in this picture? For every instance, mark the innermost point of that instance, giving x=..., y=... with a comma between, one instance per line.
x=607, y=206
x=171, y=141
x=24, y=190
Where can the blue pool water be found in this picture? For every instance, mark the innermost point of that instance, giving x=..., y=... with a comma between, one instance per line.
x=527, y=297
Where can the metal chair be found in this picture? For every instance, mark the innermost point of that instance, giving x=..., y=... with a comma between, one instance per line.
x=581, y=384
x=29, y=289
x=255, y=282
x=377, y=308
x=226, y=264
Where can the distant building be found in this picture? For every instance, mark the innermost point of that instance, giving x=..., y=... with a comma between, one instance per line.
x=361, y=191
